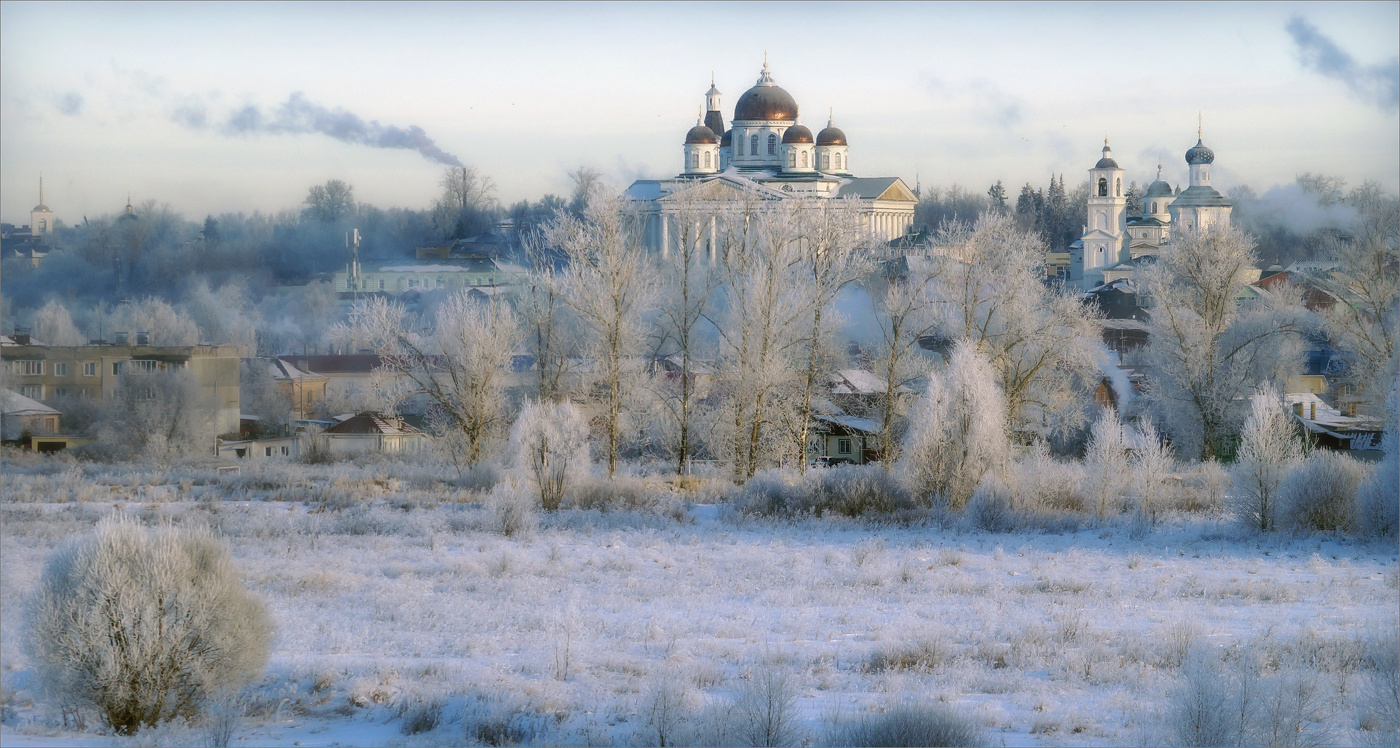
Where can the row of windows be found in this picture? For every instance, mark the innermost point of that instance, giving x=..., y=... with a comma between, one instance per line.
x=695, y=161
x=35, y=367
x=36, y=391
x=1118, y=188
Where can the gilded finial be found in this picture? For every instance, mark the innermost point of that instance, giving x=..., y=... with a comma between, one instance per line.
x=1198, y=126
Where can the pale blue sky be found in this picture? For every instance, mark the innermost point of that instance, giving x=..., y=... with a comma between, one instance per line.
x=99, y=98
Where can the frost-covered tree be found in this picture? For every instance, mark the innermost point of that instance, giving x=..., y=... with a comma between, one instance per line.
x=1151, y=464
x=225, y=315
x=459, y=361
x=904, y=312
x=166, y=325
x=158, y=415
x=551, y=336
x=53, y=325
x=549, y=445
x=759, y=319
x=1365, y=320
x=1378, y=501
x=144, y=625
x=957, y=432
x=1208, y=350
x=686, y=272
x=1268, y=450
x=610, y=286
x=1041, y=341
x=1106, y=462
x=835, y=252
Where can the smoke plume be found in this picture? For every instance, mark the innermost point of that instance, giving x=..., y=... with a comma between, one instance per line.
x=1378, y=84
x=299, y=116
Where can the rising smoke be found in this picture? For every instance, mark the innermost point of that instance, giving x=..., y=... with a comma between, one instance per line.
x=1378, y=84
x=300, y=116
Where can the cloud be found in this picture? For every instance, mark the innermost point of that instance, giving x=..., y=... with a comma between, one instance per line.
x=70, y=104
x=982, y=97
x=300, y=116
x=1377, y=84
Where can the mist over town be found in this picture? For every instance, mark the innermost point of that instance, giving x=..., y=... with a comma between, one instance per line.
x=655, y=374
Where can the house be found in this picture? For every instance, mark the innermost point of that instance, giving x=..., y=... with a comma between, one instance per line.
x=845, y=439
x=860, y=390
x=282, y=447
x=20, y=415
x=1328, y=428
x=371, y=432
x=302, y=388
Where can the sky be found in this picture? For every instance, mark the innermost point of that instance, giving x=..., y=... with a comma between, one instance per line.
x=217, y=108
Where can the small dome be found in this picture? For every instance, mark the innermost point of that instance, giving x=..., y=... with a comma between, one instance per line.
x=727, y=138
x=1107, y=161
x=701, y=135
x=766, y=101
x=41, y=208
x=797, y=134
x=1199, y=154
x=831, y=134
x=1158, y=188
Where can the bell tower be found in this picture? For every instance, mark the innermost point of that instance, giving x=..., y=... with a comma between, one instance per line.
x=1104, y=243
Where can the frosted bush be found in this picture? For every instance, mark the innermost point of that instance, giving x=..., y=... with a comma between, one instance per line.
x=144, y=625
x=765, y=708
x=911, y=723
x=1378, y=502
x=1320, y=493
x=848, y=490
x=1220, y=703
x=1106, y=463
x=1268, y=450
x=513, y=509
x=1151, y=464
x=957, y=432
x=550, y=446
x=1205, y=488
x=1378, y=702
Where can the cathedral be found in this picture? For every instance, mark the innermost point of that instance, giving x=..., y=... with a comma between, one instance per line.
x=1114, y=243
x=767, y=151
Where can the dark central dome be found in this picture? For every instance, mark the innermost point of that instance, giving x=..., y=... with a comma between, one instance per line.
x=1199, y=154
x=766, y=103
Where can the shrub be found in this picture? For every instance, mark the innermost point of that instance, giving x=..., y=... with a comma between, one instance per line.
x=550, y=446
x=1320, y=493
x=144, y=625
x=848, y=490
x=1378, y=502
x=1268, y=450
x=912, y=724
x=765, y=709
x=513, y=508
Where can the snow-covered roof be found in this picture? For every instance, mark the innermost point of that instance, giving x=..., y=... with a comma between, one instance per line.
x=14, y=404
x=372, y=423
x=859, y=382
x=281, y=370
x=1319, y=417
x=851, y=422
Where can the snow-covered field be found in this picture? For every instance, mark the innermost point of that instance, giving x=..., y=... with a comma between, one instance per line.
x=391, y=612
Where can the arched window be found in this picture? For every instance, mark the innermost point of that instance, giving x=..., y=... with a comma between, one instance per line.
x=694, y=160
x=838, y=161
x=1103, y=187
x=753, y=145
x=1118, y=187
x=792, y=158
x=772, y=144
x=707, y=159
x=1154, y=207
x=826, y=160
x=804, y=159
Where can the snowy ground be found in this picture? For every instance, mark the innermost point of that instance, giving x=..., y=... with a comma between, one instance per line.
x=386, y=611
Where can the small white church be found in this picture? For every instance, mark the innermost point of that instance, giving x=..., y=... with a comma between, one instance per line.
x=1114, y=243
x=767, y=152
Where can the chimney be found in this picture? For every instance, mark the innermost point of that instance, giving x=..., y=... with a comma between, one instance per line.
x=21, y=336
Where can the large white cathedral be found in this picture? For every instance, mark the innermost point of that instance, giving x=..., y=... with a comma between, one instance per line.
x=767, y=152
x=1114, y=243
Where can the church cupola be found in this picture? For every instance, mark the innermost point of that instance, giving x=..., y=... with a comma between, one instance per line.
x=1158, y=198
x=41, y=218
x=831, y=149
x=1200, y=206
x=1198, y=159
x=701, y=149
x=761, y=116
x=798, y=150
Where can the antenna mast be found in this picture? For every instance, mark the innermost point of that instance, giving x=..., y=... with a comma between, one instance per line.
x=352, y=242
